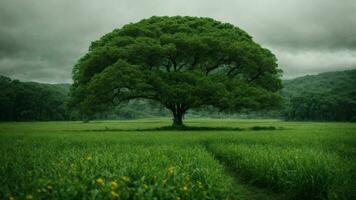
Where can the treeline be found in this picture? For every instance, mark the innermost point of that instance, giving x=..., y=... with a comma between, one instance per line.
x=319, y=107
x=30, y=101
x=21, y=101
x=325, y=97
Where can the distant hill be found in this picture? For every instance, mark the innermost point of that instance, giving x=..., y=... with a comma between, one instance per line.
x=327, y=96
x=333, y=83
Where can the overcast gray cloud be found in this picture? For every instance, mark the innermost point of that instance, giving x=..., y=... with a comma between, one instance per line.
x=41, y=40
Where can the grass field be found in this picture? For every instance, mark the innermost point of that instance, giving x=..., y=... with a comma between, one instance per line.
x=114, y=160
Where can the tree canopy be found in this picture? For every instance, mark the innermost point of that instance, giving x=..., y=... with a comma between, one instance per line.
x=180, y=62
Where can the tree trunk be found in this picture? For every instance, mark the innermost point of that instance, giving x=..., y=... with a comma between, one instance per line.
x=178, y=111
x=178, y=120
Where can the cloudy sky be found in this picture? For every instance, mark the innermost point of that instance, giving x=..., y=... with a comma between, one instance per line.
x=41, y=40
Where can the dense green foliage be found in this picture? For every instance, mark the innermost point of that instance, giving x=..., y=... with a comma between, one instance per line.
x=29, y=101
x=328, y=97
x=181, y=63
x=74, y=160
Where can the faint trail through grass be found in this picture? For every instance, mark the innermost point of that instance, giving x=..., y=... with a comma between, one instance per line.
x=241, y=184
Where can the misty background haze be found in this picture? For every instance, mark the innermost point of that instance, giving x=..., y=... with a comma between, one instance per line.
x=41, y=40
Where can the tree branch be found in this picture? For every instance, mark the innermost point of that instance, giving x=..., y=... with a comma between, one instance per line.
x=218, y=63
x=256, y=76
x=174, y=63
x=168, y=67
x=195, y=61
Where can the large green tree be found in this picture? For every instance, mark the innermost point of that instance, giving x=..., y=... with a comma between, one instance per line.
x=180, y=62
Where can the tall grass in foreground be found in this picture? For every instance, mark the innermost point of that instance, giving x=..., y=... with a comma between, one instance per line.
x=74, y=160
x=71, y=170
x=303, y=173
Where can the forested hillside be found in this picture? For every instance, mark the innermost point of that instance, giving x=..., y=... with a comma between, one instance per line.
x=328, y=96
x=30, y=101
x=27, y=101
x=324, y=97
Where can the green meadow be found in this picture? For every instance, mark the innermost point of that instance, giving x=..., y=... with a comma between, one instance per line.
x=233, y=159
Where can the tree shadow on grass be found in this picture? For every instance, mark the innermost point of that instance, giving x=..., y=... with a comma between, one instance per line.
x=193, y=128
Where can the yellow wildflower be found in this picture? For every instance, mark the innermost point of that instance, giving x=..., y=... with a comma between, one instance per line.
x=100, y=181
x=170, y=170
x=29, y=197
x=114, y=195
x=178, y=198
x=114, y=185
x=186, y=178
x=164, y=181
x=11, y=198
x=72, y=166
x=185, y=188
x=125, y=178
x=199, y=184
x=145, y=186
x=88, y=158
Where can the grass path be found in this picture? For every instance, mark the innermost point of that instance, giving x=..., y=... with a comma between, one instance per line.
x=246, y=190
